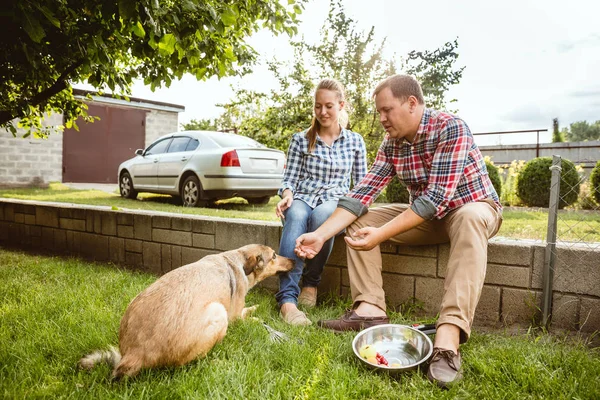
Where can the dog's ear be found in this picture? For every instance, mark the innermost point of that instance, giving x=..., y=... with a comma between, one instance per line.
x=252, y=262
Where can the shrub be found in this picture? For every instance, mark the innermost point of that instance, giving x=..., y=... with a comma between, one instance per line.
x=533, y=183
x=396, y=192
x=510, y=174
x=595, y=183
x=494, y=176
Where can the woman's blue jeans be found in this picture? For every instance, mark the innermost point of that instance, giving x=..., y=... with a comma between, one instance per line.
x=301, y=218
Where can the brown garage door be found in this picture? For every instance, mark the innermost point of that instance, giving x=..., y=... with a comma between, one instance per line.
x=94, y=153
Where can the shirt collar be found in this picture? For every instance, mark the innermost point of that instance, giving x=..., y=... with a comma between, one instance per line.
x=424, y=121
x=422, y=126
x=343, y=134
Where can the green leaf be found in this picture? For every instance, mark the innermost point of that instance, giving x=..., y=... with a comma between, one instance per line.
x=138, y=30
x=50, y=16
x=229, y=17
x=115, y=208
x=229, y=53
x=166, y=46
x=127, y=9
x=33, y=28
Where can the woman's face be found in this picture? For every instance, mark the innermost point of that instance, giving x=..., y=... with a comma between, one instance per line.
x=327, y=107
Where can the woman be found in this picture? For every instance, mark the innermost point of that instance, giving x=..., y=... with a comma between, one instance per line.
x=321, y=163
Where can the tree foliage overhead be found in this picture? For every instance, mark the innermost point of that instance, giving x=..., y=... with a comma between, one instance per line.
x=49, y=44
x=346, y=53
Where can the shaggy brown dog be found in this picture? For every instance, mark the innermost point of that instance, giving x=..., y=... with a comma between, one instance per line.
x=186, y=312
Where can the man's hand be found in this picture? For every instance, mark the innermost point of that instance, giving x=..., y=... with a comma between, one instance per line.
x=283, y=205
x=365, y=239
x=308, y=245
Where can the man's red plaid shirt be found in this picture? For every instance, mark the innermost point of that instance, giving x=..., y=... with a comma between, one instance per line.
x=443, y=168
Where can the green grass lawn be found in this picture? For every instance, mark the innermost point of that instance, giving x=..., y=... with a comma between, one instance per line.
x=518, y=224
x=53, y=310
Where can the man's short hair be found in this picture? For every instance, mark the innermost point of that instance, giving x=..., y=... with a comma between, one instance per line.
x=402, y=87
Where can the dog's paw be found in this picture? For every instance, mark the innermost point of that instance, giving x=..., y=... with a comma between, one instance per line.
x=247, y=311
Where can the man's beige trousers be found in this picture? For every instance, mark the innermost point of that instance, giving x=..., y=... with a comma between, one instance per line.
x=467, y=228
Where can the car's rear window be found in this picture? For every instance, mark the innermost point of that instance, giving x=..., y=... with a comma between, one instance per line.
x=235, y=141
x=192, y=145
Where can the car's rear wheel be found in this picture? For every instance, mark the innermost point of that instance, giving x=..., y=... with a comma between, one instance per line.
x=258, y=201
x=190, y=192
x=126, y=186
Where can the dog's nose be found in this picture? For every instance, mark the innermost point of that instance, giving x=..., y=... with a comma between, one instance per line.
x=286, y=263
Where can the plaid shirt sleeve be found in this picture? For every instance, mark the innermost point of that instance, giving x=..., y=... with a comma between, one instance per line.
x=359, y=168
x=447, y=168
x=382, y=170
x=293, y=166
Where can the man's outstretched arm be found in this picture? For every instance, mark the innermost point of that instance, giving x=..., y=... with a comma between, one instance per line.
x=309, y=244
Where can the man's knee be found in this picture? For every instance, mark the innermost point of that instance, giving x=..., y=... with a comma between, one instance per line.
x=472, y=218
x=356, y=225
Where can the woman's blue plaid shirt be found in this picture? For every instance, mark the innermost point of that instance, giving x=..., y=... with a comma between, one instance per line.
x=325, y=173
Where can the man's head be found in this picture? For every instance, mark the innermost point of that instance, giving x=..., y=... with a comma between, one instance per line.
x=399, y=101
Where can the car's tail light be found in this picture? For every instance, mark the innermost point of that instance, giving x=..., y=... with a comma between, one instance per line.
x=230, y=159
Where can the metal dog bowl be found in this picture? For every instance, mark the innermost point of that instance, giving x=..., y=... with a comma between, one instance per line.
x=399, y=344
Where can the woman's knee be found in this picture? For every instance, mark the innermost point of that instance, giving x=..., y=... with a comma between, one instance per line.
x=297, y=212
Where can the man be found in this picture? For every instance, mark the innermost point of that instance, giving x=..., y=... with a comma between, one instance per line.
x=452, y=200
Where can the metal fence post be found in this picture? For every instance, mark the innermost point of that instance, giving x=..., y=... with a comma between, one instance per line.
x=550, y=253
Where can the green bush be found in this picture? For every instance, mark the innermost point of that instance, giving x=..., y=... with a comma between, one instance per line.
x=494, y=176
x=396, y=192
x=533, y=183
x=595, y=183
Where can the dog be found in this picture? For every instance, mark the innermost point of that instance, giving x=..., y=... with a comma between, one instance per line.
x=182, y=315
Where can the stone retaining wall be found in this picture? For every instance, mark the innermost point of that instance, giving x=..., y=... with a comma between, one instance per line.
x=159, y=242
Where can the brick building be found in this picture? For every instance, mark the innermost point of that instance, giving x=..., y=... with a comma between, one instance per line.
x=92, y=154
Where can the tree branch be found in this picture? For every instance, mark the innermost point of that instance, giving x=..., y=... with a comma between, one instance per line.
x=59, y=85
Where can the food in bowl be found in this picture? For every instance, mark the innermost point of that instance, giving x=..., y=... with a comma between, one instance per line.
x=402, y=347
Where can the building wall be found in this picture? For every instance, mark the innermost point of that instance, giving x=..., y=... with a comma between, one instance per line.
x=31, y=161
x=160, y=123
x=158, y=242
x=580, y=153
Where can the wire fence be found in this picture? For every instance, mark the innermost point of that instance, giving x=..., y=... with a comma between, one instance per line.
x=570, y=236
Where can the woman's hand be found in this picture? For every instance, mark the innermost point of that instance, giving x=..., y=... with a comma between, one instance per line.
x=283, y=205
x=365, y=239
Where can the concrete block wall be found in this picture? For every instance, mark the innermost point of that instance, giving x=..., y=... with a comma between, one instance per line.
x=160, y=123
x=159, y=242
x=25, y=161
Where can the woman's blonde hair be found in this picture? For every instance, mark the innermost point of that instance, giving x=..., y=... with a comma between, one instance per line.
x=343, y=119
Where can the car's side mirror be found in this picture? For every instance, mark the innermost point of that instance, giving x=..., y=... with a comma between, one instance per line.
x=139, y=152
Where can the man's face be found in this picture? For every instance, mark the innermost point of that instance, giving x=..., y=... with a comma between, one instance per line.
x=396, y=116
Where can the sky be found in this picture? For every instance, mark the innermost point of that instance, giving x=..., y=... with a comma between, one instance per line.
x=527, y=61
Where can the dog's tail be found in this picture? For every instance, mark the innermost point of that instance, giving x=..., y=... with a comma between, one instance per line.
x=110, y=356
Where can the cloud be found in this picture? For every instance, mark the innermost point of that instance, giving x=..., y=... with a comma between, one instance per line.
x=595, y=92
x=527, y=115
x=591, y=40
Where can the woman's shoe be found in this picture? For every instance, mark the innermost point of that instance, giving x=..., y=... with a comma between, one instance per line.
x=308, y=299
x=295, y=317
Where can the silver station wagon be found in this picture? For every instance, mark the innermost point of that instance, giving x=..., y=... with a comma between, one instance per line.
x=204, y=166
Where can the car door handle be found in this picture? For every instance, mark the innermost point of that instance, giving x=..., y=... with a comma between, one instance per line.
x=183, y=158
x=156, y=160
